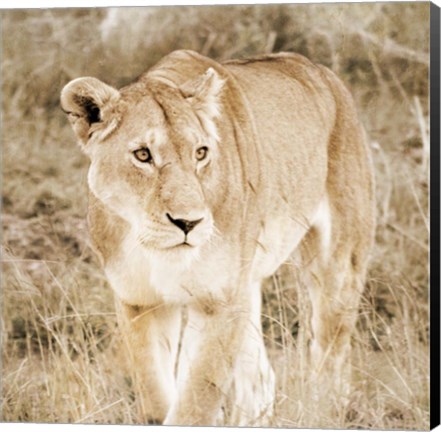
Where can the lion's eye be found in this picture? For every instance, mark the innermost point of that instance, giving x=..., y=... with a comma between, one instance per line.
x=201, y=153
x=143, y=155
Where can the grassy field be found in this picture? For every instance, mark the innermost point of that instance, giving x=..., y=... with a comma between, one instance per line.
x=61, y=350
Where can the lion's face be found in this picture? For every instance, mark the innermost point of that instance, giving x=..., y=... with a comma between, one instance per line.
x=154, y=165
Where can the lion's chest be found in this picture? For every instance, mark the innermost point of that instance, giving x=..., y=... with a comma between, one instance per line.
x=142, y=277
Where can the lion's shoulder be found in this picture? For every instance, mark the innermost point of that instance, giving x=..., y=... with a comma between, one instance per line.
x=180, y=66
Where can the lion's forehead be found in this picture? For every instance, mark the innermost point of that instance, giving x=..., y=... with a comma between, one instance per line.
x=143, y=125
x=156, y=136
x=161, y=138
x=141, y=113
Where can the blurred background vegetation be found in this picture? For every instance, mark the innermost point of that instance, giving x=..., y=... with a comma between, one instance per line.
x=59, y=338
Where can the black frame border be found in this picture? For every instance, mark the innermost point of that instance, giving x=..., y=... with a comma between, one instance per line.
x=434, y=215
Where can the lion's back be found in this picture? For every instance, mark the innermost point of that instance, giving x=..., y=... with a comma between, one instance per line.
x=310, y=138
x=292, y=111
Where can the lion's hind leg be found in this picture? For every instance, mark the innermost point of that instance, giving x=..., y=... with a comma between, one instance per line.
x=335, y=253
x=334, y=274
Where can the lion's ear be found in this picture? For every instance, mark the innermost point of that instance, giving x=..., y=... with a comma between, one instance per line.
x=204, y=94
x=84, y=100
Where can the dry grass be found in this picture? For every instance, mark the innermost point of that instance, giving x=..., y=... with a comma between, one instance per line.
x=59, y=335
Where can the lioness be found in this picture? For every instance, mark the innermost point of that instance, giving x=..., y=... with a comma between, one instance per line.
x=204, y=178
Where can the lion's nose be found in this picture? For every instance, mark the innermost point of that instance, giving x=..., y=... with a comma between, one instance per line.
x=184, y=225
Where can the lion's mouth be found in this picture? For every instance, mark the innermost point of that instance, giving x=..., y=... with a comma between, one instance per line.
x=174, y=247
x=183, y=245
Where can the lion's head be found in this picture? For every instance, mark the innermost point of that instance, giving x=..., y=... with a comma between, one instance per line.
x=154, y=154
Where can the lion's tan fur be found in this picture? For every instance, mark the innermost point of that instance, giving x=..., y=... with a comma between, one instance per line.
x=287, y=169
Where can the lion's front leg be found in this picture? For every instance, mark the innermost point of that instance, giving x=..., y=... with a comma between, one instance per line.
x=152, y=336
x=253, y=390
x=208, y=355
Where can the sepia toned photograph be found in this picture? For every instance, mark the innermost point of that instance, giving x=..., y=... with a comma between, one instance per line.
x=217, y=215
